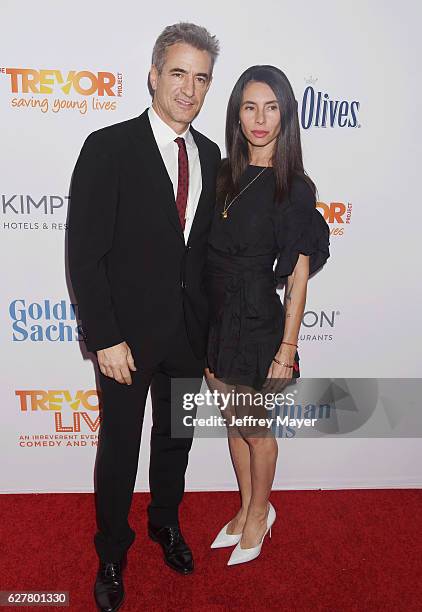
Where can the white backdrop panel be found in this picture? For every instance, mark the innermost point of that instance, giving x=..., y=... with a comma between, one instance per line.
x=369, y=289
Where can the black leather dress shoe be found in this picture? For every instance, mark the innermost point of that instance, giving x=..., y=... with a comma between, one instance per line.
x=109, y=590
x=177, y=553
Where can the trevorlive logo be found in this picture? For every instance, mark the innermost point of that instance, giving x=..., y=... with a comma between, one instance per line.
x=34, y=400
x=82, y=82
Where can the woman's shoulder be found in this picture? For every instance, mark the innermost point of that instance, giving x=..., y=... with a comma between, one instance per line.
x=302, y=192
x=299, y=206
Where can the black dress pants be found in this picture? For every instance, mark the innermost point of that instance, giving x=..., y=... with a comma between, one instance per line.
x=123, y=408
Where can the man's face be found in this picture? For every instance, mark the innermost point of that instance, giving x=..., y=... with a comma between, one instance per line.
x=180, y=88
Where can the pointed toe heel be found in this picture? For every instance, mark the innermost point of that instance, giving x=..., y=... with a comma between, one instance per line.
x=243, y=555
x=224, y=539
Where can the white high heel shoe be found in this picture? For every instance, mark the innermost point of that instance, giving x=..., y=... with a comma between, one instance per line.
x=243, y=555
x=226, y=539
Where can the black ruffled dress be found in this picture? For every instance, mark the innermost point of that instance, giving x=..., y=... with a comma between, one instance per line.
x=246, y=314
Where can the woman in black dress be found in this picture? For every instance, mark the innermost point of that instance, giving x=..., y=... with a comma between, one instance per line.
x=265, y=212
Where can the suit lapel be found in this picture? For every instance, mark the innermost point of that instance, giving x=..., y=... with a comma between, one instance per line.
x=151, y=156
x=206, y=182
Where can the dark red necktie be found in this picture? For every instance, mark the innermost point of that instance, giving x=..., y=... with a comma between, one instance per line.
x=183, y=181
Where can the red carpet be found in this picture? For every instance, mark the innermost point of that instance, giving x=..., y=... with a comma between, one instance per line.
x=336, y=551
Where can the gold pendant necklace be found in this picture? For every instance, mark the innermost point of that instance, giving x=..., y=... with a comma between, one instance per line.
x=224, y=213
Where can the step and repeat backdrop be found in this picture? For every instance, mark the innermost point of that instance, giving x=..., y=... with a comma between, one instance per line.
x=66, y=71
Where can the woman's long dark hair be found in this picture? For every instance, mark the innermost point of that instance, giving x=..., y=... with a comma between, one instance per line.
x=287, y=157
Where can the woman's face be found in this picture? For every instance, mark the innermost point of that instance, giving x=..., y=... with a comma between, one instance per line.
x=259, y=115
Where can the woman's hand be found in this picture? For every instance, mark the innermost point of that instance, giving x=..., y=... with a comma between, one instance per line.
x=208, y=373
x=279, y=376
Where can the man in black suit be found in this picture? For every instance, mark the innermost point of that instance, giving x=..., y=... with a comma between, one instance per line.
x=141, y=205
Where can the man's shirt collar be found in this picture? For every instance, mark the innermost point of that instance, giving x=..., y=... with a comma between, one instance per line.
x=163, y=133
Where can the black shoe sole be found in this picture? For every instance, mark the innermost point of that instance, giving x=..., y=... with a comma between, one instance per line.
x=182, y=572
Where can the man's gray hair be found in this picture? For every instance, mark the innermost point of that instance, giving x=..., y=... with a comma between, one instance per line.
x=187, y=33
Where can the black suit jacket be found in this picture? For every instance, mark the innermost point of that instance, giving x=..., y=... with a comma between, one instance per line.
x=133, y=276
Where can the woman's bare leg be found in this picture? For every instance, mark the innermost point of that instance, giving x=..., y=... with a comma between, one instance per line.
x=240, y=456
x=263, y=450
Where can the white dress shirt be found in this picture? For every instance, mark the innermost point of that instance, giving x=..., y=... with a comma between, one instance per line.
x=164, y=136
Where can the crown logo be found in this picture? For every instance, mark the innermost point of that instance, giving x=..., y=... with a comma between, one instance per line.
x=311, y=80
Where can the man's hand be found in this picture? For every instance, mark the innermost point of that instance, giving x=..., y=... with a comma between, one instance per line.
x=116, y=361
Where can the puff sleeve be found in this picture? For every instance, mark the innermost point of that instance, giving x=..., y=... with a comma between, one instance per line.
x=300, y=228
